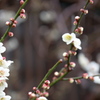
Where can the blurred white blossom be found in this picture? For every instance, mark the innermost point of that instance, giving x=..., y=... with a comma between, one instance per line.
x=91, y=67
x=48, y=16
x=42, y=98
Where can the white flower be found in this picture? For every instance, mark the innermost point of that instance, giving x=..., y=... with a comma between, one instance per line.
x=4, y=71
x=92, y=68
x=68, y=38
x=83, y=61
x=97, y=79
x=7, y=97
x=2, y=94
x=42, y=98
x=4, y=63
x=77, y=43
x=4, y=97
x=3, y=84
x=2, y=48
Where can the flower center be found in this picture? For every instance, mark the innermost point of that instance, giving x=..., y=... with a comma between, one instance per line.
x=1, y=72
x=2, y=99
x=1, y=62
x=68, y=37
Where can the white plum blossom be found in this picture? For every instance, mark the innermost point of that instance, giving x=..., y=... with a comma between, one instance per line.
x=42, y=98
x=91, y=67
x=83, y=61
x=97, y=79
x=4, y=97
x=71, y=38
x=2, y=94
x=2, y=48
x=4, y=72
x=68, y=38
x=4, y=63
x=3, y=85
x=77, y=43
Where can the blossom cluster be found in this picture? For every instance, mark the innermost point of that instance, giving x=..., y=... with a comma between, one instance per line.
x=40, y=95
x=4, y=73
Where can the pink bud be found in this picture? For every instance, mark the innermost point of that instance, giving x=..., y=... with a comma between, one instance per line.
x=13, y=25
x=78, y=81
x=85, y=75
x=82, y=10
x=22, y=16
x=47, y=82
x=91, y=78
x=60, y=60
x=91, y=1
x=75, y=23
x=12, y=19
x=7, y=23
x=71, y=80
x=34, y=88
x=77, y=18
x=72, y=64
x=85, y=12
x=22, y=11
x=65, y=54
x=11, y=34
x=46, y=94
x=15, y=22
x=21, y=2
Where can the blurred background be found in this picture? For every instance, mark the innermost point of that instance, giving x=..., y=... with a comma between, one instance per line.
x=37, y=46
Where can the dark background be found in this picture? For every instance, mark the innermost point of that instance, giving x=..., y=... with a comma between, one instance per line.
x=37, y=46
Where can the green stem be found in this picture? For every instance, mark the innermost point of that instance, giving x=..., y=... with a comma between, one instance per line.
x=10, y=26
x=81, y=15
x=80, y=77
x=58, y=79
x=48, y=74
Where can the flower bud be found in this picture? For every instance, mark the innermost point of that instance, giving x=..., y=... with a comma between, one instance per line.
x=75, y=23
x=78, y=81
x=47, y=82
x=7, y=23
x=22, y=11
x=23, y=16
x=11, y=34
x=13, y=25
x=15, y=22
x=77, y=18
x=91, y=78
x=71, y=80
x=56, y=73
x=12, y=19
x=72, y=64
x=45, y=86
x=85, y=75
x=85, y=12
x=21, y=2
x=91, y=1
x=79, y=30
x=46, y=94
